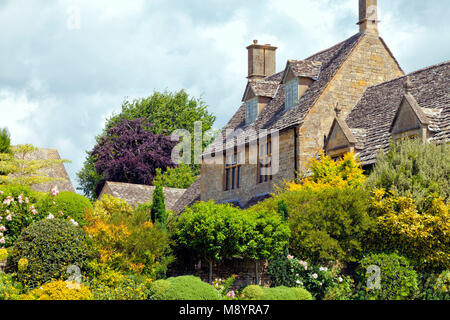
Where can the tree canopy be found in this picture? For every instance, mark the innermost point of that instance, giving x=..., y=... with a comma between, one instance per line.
x=131, y=153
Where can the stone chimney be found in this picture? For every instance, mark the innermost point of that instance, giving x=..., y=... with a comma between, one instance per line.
x=368, y=16
x=261, y=60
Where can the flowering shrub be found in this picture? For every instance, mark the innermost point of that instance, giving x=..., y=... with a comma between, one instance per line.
x=223, y=287
x=3, y=254
x=16, y=213
x=125, y=240
x=327, y=173
x=59, y=290
x=299, y=273
x=50, y=246
x=9, y=289
x=420, y=236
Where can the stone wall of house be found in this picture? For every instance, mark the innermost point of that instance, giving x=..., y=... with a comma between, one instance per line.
x=244, y=269
x=369, y=64
x=212, y=186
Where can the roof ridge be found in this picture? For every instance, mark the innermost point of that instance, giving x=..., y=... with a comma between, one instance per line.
x=412, y=73
x=332, y=47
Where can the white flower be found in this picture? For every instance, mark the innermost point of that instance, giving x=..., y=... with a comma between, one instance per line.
x=290, y=257
x=50, y=216
x=2, y=229
x=9, y=218
x=2, y=240
x=340, y=279
x=74, y=222
x=55, y=191
x=314, y=275
x=299, y=282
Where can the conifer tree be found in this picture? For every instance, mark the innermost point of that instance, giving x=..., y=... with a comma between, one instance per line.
x=158, y=210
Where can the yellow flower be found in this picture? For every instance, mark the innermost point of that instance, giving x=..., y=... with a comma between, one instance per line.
x=22, y=265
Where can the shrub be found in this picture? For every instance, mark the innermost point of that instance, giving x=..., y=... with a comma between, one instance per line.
x=5, y=141
x=182, y=288
x=253, y=292
x=291, y=272
x=66, y=205
x=398, y=279
x=50, y=246
x=400, y=227
x=413, y=169
x=212, y=232
x=158, y=209
x=9, y=289
x=327, y=224
x=16, y=212
x=59, y=290
x=126, y=240
x=3, y=254
x=180, y=177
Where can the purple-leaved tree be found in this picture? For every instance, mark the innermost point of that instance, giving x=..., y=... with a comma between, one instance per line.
x=131, y=153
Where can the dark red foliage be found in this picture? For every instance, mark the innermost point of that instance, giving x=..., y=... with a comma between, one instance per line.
x=131, y=153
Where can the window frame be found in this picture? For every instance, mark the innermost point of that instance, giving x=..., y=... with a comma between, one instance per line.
x=265, y=162
x=233, y=171
x=291, y=93
x=251, y=110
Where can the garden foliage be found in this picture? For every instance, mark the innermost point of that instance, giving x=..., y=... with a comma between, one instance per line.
x=182, y=288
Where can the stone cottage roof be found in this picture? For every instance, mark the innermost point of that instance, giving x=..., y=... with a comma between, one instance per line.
x=373, y=115
x=274, y=116
x=305, y=68
x=262, y=88
x=136, y=194
x=191, y=196
x=58, y=171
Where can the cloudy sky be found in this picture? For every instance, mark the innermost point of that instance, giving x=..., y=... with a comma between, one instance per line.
x=61, y=77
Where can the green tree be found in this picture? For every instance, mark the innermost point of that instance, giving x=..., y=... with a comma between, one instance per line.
x=17, y=168
x=413, y=169
x=180, y=177
x=5, y=141
x=158, y=210
x=166, y=112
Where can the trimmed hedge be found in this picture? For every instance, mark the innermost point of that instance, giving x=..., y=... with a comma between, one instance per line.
x=182, y=288
x=254, y=292
x=69, y=203
x=50, y=246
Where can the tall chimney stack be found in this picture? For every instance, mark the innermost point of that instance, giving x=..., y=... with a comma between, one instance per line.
x=368, y=16
x=261, y=60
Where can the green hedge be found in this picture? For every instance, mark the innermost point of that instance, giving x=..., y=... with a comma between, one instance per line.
x=182, y=288
x=70, y=204
x=254, y=292
x=50, y=246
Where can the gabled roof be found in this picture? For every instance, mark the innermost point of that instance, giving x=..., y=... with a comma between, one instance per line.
x=303, y=68
x=376, y=110
x=136, y=194
x=274, y=116
x=188, y=198
x=421, y=116
x=58, y=171
x=261, y=88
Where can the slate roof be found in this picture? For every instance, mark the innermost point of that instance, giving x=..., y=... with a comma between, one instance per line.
x=274, y=116
x=305, y=68
x=262, y=88
x=58, y=171
x=136, y=194
x=373, y=115
x=188, y=198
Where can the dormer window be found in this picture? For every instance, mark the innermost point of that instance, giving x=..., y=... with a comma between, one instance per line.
x=251, y=111
x=291, y=92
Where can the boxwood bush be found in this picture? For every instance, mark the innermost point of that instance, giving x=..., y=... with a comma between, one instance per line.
x=50, y=246
x=70, y=204
x=254, y=292
x=182, y=288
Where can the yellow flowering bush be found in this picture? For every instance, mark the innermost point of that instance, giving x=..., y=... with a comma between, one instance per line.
x=22, y=265
x=3, y=254
x=401, y=227
x=59, y=290
x=125, y=240
x=327, y=173
x=9, y=289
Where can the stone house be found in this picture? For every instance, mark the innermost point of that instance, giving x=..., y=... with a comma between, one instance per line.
x=288, y=117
